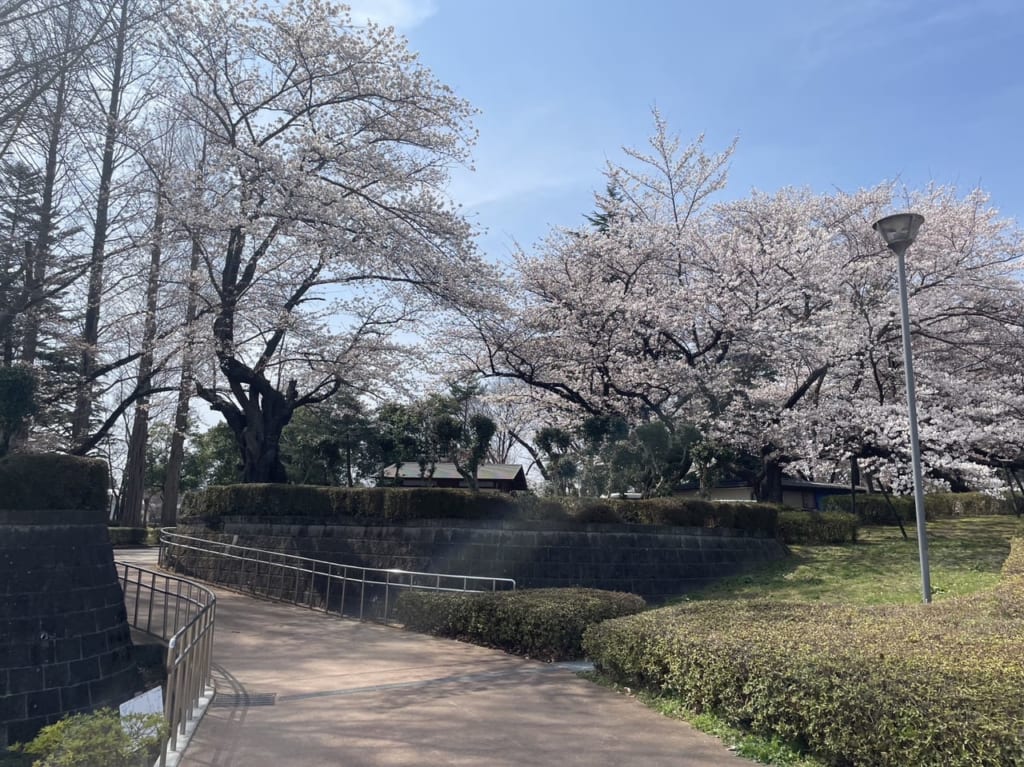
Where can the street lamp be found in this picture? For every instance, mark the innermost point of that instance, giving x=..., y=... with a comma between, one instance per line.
x=899, y=232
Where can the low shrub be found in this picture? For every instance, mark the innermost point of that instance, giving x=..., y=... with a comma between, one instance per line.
x=40, y=481
x=99, y=739
x=539, y=623
x=697, y=512
x=128, y=536
x=817, y=528
x=594, y=511
x=872, y=508
x=1013, y=567
x=921, y=685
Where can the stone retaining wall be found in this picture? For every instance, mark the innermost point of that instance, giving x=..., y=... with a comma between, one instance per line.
x=65, y=643
x=655, y=562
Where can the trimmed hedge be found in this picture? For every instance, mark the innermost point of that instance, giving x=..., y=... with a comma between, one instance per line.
x=817, y=528
x=128, y=536
x=40, y=481
x=872, y=509
x=397, y=505
x=539, y=623
x=319, y=502
x=886, y=687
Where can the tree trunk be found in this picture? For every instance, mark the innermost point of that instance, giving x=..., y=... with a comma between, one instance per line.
x=133, y=494
x=90, y=333
x=769, y=483
x=260, y=441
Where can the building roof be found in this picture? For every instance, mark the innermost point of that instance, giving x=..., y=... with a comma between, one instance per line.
x=447, y=470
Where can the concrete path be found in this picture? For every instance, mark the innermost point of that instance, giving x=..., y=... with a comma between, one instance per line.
x=296, y=687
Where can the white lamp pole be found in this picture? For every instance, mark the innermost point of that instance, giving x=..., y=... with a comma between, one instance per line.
x=899, y=231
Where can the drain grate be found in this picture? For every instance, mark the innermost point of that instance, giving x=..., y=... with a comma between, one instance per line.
x=244, y=700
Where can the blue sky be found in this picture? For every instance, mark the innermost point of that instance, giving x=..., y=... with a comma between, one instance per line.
x=821, y=93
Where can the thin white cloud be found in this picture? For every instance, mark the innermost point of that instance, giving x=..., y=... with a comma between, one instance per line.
x=476, y=189
x=401, y=14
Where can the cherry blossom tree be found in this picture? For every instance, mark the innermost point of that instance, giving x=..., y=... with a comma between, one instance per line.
x=323, y=220
x=770, y=322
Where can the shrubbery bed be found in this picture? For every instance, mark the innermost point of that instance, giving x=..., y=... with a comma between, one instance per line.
x=539, y=623
x=902, y=685
x=817, y=528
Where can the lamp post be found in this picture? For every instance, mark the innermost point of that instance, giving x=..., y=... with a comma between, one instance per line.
x=899, y=232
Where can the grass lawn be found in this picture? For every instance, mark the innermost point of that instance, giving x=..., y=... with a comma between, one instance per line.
x=881, y=568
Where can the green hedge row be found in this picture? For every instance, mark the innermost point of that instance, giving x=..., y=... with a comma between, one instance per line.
x=872, y=509
x=539, y=623
x=128, y=536
x=40, y=481
x=873, y=687
x=407, y=504
x=817, y=528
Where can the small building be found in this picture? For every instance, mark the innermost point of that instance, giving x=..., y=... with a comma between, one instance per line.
x=503, y=477
x=797, y=493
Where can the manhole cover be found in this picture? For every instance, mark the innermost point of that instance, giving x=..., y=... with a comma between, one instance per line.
x=244, y=699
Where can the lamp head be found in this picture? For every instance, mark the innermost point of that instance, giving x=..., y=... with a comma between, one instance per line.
x=899, y=230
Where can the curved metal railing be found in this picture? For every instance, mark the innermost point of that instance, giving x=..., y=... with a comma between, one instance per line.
x=180, y=613
x=366, y=593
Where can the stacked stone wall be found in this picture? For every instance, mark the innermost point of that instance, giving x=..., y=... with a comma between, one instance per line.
x=65, y=643
x=655, y=562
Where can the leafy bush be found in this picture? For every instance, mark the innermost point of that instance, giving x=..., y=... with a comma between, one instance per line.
x=589, y=510
x=817, y=528
x=697, y=512
x=1014, y=565
x=128, y=536
x=538, y=623
x=921, y=685
x=39, y=481
x=399, y=505
x=99, y=739
x=872, y=509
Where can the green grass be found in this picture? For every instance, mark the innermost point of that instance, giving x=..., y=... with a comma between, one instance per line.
x=965, y=557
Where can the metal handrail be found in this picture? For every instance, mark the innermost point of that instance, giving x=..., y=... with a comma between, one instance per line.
x=181, y=613
x=354, y=591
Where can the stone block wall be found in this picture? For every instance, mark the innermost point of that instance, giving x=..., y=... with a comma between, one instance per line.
x=65, y=643
x=655, y=562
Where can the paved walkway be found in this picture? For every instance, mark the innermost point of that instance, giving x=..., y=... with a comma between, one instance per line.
x=296, y=687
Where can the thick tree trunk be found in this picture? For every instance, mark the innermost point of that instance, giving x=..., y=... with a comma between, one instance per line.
x=260, y=442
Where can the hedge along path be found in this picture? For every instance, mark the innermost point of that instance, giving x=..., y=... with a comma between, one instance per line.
x=896, y=685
